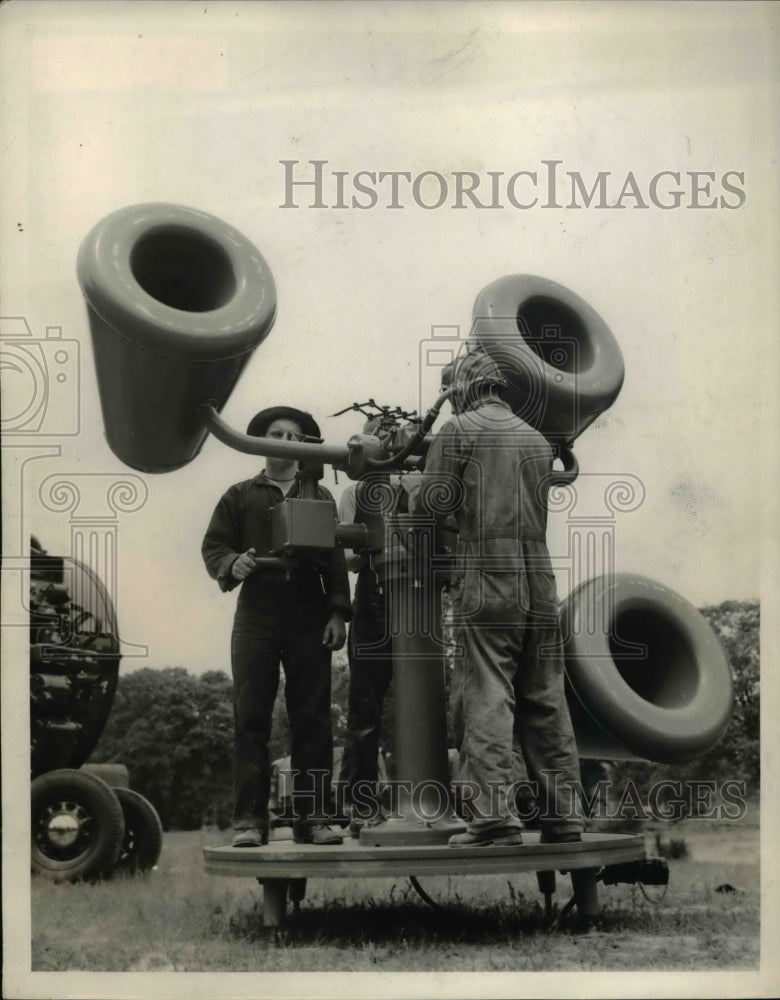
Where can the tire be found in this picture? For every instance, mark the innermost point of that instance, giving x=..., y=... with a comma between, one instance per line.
x=77, y=826
x=143, y=838
x=114, y=775
x=562, y=362
x=647, y=677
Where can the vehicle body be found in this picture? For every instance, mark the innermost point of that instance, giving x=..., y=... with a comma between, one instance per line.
x=80, y=826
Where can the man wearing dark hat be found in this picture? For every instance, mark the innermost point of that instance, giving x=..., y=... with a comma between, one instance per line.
x=296, y=621
x=370, y=652
x=508, y=682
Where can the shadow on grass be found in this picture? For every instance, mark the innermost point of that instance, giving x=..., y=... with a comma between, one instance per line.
x=403, y=918
x=409, y=921
x=387, y=924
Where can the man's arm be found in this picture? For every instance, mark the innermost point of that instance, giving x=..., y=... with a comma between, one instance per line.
x=348, y=505
x=334, y=575
x=335, y=633
x=347, y=511
x=220, y=547
x=438, y=489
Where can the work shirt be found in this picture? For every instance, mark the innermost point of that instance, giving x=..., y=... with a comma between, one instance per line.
x=491, y=470
x=242, y=520
x=370, y=602
x=368, y=593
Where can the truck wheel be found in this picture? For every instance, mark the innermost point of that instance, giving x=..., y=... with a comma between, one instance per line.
x=77, y=826
x=143, y=839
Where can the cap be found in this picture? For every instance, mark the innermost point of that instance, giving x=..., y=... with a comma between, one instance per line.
x=474, y=368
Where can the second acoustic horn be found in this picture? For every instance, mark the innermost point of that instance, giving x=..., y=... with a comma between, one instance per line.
x=562, y=362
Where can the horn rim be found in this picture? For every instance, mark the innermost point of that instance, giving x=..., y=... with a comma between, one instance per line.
x=112, y=290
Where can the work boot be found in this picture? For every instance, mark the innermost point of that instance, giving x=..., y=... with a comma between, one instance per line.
x=562, y=837
x=507, y=835
x=316, y=833
x=358, y=821
x=250, y=838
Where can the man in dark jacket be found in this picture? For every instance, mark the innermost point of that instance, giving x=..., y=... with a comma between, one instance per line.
x=370, y=650
x=296, y=619
x=508, y=683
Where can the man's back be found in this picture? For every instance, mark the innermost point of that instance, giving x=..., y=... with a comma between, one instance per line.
x=496, y=467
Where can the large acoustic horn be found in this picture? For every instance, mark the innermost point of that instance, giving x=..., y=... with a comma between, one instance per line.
x=646, y=675
x=177, y=301
x=563, y=364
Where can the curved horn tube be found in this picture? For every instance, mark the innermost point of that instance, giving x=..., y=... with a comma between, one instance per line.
x=337, y=455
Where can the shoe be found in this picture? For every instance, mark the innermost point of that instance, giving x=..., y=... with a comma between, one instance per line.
x=250, y=838
x=324, y=835
x=357, y=822
x=379, y=818
x=569, y=837
x=319, y=834
x=497, y=836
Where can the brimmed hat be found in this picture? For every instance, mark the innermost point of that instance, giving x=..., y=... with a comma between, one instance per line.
x=260, y=422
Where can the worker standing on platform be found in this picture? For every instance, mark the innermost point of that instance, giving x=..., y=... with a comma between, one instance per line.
x=489, y=468
x=370, y=651
x=296, y=619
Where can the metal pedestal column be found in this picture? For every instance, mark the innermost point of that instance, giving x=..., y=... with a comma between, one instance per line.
x=274, y=901
x=424, y=805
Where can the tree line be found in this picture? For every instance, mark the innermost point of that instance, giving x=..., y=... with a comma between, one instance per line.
x=174, y=730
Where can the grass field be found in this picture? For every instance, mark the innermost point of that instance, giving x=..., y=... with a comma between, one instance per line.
x=179, y=919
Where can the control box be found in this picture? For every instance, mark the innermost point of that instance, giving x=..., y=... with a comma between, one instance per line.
x=303, y=524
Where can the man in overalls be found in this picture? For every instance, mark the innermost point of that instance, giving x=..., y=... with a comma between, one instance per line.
x=370, y=650
x=507, y=686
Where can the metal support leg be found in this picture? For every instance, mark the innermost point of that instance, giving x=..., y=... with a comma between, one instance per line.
x=586, y=895
x=274, y=901
x=297, y=892
x=546, y=880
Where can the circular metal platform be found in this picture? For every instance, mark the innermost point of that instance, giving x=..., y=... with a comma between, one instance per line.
x=286, y=860
x=283, y=867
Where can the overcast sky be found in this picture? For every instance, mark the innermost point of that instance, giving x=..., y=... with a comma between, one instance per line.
x=198, y=105
x=109, y=105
